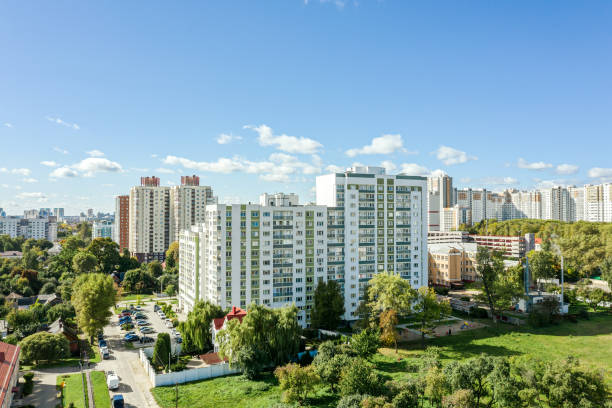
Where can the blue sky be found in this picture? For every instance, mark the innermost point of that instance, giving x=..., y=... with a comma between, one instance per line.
x=94, y=95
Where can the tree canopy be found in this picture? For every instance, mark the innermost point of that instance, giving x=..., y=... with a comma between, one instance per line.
x=328, y=307
x=93, y=295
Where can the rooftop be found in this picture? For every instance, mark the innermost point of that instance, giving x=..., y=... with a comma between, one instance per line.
x=9, y=357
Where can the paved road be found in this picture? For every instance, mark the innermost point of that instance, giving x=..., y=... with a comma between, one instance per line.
x=44, y=393
x=134, y=384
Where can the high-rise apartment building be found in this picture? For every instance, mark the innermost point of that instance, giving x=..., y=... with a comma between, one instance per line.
x=122, y=221
x=158, y=213
x=439, y=197
x=364, y=222
x=273, y=253
x=36, y=228
x=59, y=214
x=376, y=222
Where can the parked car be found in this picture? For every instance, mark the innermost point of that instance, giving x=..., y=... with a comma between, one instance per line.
x=178, y=339
x=143, y=323
x=102, y=343
x=140, y=315
x=146, y=339
x=130, y=337
x=146, y=330
x=169, y=323
x=100, y=336
x=126, y=311
x=175, y=332
x=162, y=316
x=104, y=352
x=156, y=308
x=117, y=401
x=112, y=380
x=138, y=307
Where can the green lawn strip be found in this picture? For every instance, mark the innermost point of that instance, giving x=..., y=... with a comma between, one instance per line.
x=73, y=390
x=100, y=389
x=234, y=391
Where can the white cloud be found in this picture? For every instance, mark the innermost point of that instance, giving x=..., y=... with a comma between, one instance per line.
x=438, y=173
x=389, y=166
x=499, y=181
x=290, y=144
x=450, y=156
x=34, y=195
x=222, y=165
x=63, y=172
x=225, y=138
x=385, y=144
x=413, y=169
x=164, y=170
x=49, y=163
x=601, y=173
x=523, y=164
x=93, y=165
x=8, y=125
x=332, y=168
x=30, y=180
x=567, y=169
x=21, y=172
x=86, y=168
x=60, y=150
x=95, y=153
x=59, y=121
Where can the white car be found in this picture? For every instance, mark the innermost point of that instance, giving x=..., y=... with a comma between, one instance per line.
x=112, y=380
x=169, y=323
x=162, y=316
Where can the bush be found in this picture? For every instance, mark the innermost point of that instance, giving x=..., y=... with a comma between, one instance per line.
x=583, y=314
x=374, y=402
x=465, y=298
x=441, y=290
x=537, y=319
x=351, y=401
x=11, y=339
x=305, y=359
x=296, y=381
x=29, y=383
x=479, y=312
x=44, y=346
x=360, y=378
x=366, y=343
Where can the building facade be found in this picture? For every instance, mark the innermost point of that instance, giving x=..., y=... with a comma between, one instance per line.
x=271, y=254
x=102, y=229
x=376, y=223
x=451, y=264
x=440, y=196
x=122, y=221
x=36, y=228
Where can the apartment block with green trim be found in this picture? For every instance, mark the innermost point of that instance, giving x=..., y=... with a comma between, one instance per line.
x=376, y=222
x=271, y=253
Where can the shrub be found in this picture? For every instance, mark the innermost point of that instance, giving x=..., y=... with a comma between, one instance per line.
x=29, y=383
x=366, y=343
x=296, y=381
x=351, y=401
x=478, y=312
x=583, y=314
x=360, y=378
x=458, y=399
x=374, y=402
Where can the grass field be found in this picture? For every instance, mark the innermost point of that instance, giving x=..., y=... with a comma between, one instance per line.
x=100, y=389
x=589, y=340
x=73, y=391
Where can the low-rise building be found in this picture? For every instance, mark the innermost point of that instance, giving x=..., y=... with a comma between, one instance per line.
x=452, y=264
x=9, y=373
x=219, y=323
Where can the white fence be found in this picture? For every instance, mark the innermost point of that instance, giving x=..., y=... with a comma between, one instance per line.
x=180, y=377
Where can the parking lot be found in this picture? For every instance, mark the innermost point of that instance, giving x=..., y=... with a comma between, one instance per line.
x=124, y=361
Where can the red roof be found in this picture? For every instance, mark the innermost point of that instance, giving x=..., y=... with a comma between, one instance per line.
x=9, y=356
x=538, y=240
x=236, y=313
x=211, y=358
x=219, y=322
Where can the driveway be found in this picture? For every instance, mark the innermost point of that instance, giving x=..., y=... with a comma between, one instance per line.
x=134, y=383
x=44, y=393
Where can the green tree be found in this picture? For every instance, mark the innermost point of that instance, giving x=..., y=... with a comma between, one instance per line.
x=138, y=280
x=359, y=377
x=328, y=306
x=62, y=311
x=428, y=310
x=172, y=255
x=389, y=292
x=266, y=337
x=606, y=270
x=196, y=329
x=389, y=334
x=44, y=346
x=329, y=367
x=459, y=399
x=436, y=385
x=84, y=231
x=84, y=262
x=106, y=252
x=162, y=350
x=296, y=381
x=500, y=287
x=155, y=269
x=93, y=295
x=595, y=297
x=365, y=343
x=23, y=322
x=471, y=374
x=543, y=265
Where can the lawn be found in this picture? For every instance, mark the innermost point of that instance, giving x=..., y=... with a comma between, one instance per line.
x=589, y=340
x=73, y=391
x=100, y=389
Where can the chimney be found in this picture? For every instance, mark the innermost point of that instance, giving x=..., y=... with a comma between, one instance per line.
x=1, y=356
x=233, y=309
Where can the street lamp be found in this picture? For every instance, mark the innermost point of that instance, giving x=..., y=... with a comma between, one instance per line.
x=558, y=251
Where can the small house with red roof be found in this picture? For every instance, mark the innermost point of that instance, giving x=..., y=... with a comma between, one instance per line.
x=219, y=323
x=9, y=373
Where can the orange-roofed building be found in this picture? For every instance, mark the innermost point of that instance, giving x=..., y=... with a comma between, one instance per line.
x=219, y=323
x=9, y=373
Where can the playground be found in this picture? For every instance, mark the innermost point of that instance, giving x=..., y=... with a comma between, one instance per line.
x=457, y=326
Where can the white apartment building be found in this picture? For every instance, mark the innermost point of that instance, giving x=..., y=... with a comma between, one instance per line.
x=576, y=197
x=555, y=204
x=36, y=228
x=376, y=222
x=440, y=196
x=157, y=214
x=102, y=229
x=481, y=204
x=273, y=253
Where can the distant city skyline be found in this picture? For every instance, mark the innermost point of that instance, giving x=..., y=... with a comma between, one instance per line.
x=263, y=97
